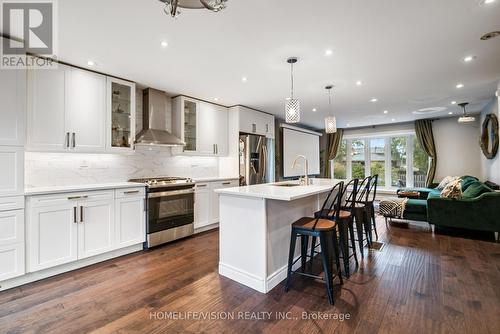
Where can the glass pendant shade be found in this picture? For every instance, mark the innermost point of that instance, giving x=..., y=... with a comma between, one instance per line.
x=292, y=111
x=330, y=124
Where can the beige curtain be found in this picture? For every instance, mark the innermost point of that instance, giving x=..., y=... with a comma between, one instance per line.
x=423, y=130
x=334, y=140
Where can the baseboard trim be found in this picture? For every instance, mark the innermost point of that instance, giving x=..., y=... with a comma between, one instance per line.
x=206, y=228
x=243, y=277
x=46, y=273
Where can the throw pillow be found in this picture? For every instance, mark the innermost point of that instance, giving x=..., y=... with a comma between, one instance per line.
x=446, y=181
x=453, y=190
x=467, y=181
x=476, y=189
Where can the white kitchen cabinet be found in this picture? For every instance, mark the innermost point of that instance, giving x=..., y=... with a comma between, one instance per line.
x=46, y=121
x=214, y=197
x=11, y=261
x=86, y=111
x=255, y=122
x=120, y=115
x=130, y=218
x=11, y=170
x=11, y=227
x=12, y=107
x=202, y=125
x=202, y=205
x=52, y=237
x=96, y=227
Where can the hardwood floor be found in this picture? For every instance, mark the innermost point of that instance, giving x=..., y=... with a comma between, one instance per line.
x=418, y=283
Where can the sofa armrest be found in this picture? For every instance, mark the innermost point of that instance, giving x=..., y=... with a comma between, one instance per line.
x=480, y=213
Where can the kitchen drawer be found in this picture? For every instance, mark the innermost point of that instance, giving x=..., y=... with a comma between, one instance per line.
x=130, y=192
x=11, y=261
x=11, y=227
x=11, y=203
x=201, y=186
x=65, y=198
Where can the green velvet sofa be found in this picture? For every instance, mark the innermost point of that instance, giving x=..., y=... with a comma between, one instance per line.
x=478, y=209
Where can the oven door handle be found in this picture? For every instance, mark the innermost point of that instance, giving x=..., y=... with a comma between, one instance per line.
x=171, y=193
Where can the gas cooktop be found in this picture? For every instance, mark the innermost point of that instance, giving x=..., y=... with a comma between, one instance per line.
x=160, y=182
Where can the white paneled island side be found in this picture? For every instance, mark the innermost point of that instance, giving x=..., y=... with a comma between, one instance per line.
x=255, y=228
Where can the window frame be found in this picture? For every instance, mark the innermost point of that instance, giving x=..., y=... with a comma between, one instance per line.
x=410, y=138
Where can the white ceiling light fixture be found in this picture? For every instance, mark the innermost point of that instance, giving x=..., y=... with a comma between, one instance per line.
x=453, y=102
x=244, y=79
x=328, y=52
x=359, y=83
x=90, y=63
x=292, y=106
x=216, y=99
x=450, y=113
x=164, y=44
x=465, y=118
x=469, y=59
x=314, y=109
x=330, y=120
x=460, y=85
x=373, y=100
x=172, y=6
x=487, y=2
x=386, y=112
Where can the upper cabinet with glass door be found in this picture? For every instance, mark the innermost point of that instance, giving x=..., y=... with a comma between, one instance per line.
x=120, y=117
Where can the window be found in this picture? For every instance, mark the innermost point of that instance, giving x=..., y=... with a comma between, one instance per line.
x=377, y=159
x=340, y=162
x=398, y=160
x=420, y=164
x=358, y=159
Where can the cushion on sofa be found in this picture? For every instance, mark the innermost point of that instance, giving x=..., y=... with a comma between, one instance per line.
x=434, y=194
x=418, y=206
x=453, y=190
x=467, y=181
x=476, y=189
x=444, y=182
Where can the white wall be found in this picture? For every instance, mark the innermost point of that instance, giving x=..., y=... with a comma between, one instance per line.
x=458, y=149
x=491, y=167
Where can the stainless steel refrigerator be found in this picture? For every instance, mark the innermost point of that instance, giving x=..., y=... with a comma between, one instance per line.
x=256, y=159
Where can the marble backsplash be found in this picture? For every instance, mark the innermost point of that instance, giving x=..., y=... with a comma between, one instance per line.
x=59, y=169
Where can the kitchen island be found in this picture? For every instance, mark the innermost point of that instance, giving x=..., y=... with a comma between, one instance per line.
x=255, y=228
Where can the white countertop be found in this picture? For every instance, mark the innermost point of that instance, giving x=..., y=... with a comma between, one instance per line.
x=29, y=191
x=214, y=178
x=272, y=191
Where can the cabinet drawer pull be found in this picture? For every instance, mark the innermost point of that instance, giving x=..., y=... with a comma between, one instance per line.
x=67, y=140
x=131, y=192
x=200, y=185
x=74, y=215
x=77, y=197
x=73, y=140
x=81, y=214
x=226, y=183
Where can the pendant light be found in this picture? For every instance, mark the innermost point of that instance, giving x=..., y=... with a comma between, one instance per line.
x=292, y=106
x=465, y=118
x=330, y=120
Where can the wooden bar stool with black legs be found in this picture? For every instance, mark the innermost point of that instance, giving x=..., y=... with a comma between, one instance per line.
x=370, y=206
x=324, y=228
x=346, y=224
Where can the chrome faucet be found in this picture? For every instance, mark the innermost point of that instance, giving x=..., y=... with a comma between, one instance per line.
x=305, y=179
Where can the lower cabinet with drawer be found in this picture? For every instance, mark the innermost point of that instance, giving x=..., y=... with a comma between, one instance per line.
x=64, y=228
x=206, y=205
x=12, y=262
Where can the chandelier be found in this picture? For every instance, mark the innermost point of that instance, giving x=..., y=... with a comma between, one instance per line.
x=171, y=6
x=292, y=106
x=330, y=121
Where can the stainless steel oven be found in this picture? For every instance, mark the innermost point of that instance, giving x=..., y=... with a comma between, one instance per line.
x=170, y=210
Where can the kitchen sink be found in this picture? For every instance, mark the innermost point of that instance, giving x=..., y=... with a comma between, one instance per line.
x=286, y=184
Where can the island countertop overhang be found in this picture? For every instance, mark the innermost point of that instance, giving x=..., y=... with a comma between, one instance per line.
x=280, y=193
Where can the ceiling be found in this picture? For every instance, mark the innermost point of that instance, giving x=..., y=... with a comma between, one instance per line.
x=408, y=54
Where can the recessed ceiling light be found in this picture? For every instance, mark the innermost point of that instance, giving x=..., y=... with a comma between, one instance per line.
x=386, y=111
x=359, y=83
x=216, y=99
x=91, y=63
x=459, y=85
x=453, y=102
x=328, y=52
x=487, y=2
x=314, y=109
x=348, y=124
x=393, y=120
x=450, y=113
x=244, y=79
x=468, y=59
x=164, y=44
x=373, y=100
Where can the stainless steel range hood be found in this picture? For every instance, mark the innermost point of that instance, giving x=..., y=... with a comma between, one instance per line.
x=155, y=121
